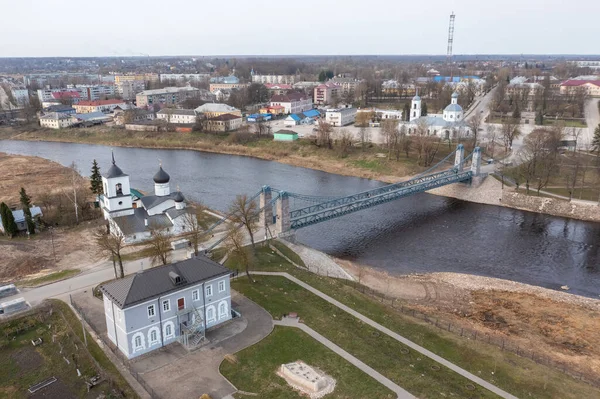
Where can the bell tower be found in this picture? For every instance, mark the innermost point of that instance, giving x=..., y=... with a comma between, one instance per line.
x=117, y=192
x=415, y=108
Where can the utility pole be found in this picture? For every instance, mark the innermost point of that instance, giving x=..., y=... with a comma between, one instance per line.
x=450, y=37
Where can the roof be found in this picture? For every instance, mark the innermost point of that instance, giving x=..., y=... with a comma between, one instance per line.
x=19, y=215
x=136, y=223
x=174, y=213
x=453, y=108
x=216, y=107
x=92, y=115
x=295, y=117
x=288, y=98
x=60, y=108
x=179, y=197
x=312, y=113
x=161, y=177
x=114, y=170
x=100, y=102
x=276, y=86
x=166, y=90
x=225, y=117
x=290, y=132
x=171, y=111
x=56, y=115
x=136, y=193
x=574, y=83
x=154, y=282
x=455, y=95
x=416, y=98
x=150, y=201
x=225, y=79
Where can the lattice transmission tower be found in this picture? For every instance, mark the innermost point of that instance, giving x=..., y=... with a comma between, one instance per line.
x=450, y=36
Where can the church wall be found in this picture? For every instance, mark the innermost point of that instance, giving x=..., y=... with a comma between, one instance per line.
x=161, y=207
x=109, y=185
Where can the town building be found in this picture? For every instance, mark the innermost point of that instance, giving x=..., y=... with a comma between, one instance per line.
x=226, y=82
x=147, y=77
x=285, y=135
x=57, y=120
x=60, y=78
x=274, y=110
x=166, y=96
x=276, y=88
x=326, y=93
x=54, y=96
x=292, y=102
x=19, y=216
x=224, y=123
x=272, y=79
x=211, y=110
x=590, y=87
x=449, y=125
x=166, y=304
x=184, y=77
x=340, y=116
x=170, y=115
x=128, y=89
x=124, y=116
x=106, y=106
x=60, y=108
x=302, y=118
x=348, y=85
x=21, y=96
x=91, y=118
x=163, y=210
x=394, y=88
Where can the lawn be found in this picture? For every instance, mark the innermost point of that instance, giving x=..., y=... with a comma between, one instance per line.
x=291, y=255
x=588, y=193
x=49, y=278
x=23, y=365
x=412, y=371
x=256, y=370
x=566, y=122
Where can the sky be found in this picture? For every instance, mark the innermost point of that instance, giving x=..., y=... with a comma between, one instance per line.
x=68, y=28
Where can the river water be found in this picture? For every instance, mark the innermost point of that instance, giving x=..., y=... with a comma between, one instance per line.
x=422, y=233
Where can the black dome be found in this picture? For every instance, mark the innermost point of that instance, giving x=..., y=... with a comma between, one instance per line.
x=114, y=171
x=161, y=176
x=179, y=197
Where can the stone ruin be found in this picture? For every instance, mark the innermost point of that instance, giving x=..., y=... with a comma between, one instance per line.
x=309, y=381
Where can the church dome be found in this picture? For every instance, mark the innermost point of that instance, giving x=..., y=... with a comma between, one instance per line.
x=416, y=98
x=114, y=170
x=455, y=95
x=179, y=197
x=453, y=108
x=161, y=177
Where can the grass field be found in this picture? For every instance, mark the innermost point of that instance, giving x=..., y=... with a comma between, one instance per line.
x=49, y=278
x=412, y=371
x=23, y=365
x=258, y=364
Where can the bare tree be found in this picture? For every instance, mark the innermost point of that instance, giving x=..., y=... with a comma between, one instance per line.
x=236, y=248
x=475, y=124
x=71, y=194
x=324, y=130
x=194, y=226
x=344, y=142
x=509, y=132
x=539, y=155
x=262, y=128
x=405, y=141
x=365, y=137
x=491, y=133
x=426, y=146
x=245, y=212
x=110, y=245
x=160, y=245
x=389, y=129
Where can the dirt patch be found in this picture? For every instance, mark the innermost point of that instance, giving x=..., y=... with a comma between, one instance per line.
x=559, y=325
x=27, y=359
x=37, y=175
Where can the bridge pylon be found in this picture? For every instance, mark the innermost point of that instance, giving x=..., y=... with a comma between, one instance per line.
x=282, y=207
x=476, y=163
x=266, y=215
x=459, y=160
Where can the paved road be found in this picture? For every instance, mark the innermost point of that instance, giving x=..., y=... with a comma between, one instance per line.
x=402, y=394
x=395, y=336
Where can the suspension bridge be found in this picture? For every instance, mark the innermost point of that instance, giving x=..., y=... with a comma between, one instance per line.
x=279, y=217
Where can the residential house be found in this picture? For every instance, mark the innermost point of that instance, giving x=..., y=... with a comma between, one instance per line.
x=128, y=89
x=57, y=120
x=278, y=89
x=60, y=108
x=92, y=118
x=19, y=215
x=166, y=96
x=292, y=102
x=591, y=87
x=340, y=116
x=348, y=85
x=224, y=123
x=21, y=96
x=146, y=77
x=325, y=93
x=177, y=115
x=272, y=79
x=285, y=135
x=273, y=110
x=172, y=303
x=298, y=119
x=106, y=106
x=184, y=77
x=226, y=82
x=137, y=115
x=211, y=110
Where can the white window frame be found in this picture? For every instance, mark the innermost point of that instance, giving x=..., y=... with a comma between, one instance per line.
x=153, y=307
x=222, y=286
x=196, y=295
x=222, y=315
x=208, y=290
x=211, y=311
x=168, y=303
x=167, y=333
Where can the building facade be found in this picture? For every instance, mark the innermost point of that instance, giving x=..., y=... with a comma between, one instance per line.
x=211, y=110
x=186, y=116
x=324, y=93
x=224, y=123
x=166, y=96
x=57, y=120
x=272, y=79
x=147, y=77
x=184, y=77
x=292, y=102
x=340, y=116
x=178, y=302
x=129, y=88
x=590, y=87
x=105, y=106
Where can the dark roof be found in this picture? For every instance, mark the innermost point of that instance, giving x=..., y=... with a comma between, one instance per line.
x=154, y=282
x=179, y=197
x=161, y=176
x=114, y=170
x=136, y=223
x=285, y=132
x=150, y=201
x=175, y=213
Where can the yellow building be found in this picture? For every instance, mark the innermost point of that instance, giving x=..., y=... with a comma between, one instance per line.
x=212, y=110
x=146, y=77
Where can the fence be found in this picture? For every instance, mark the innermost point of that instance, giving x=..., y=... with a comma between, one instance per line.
x=476, y=336
x=115, y=351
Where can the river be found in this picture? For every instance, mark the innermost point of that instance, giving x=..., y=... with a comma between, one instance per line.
x=421, y=233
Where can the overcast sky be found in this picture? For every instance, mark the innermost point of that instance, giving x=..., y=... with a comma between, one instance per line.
x=246, y=27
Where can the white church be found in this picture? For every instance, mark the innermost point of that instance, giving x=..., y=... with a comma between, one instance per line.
x=449, y=125
x=133, y=215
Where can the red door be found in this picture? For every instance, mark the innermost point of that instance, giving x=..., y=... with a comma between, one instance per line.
x=181, y=303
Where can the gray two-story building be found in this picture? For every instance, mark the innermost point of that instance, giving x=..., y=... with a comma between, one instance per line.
x=177, y=302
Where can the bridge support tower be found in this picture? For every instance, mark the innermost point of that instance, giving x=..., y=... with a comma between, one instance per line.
x=266, y=215
x=476, y=163
x=459, y=160
x=283, y=223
